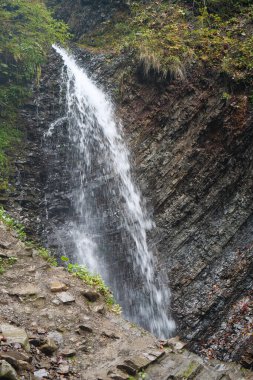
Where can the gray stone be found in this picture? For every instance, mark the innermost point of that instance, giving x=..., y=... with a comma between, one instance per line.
x=99, y=308
x=56, y=336
x=7, y=372
x=63, y=369
x=66, y=297
x=127, y=368
x=175, y=343
x=137, y=362
x=68, y=352
x=56, y=301
x=40, y=373
x=153, y=356
x=5, y=244
x=15, y=334
x=14, y=358
x=110, y=334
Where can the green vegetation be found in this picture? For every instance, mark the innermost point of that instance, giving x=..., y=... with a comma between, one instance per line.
x=92, y=280
x=13, y=224
x=140, y=376
x=167, y=37
x=27, y=30
x=19, y=228
x=47, y=256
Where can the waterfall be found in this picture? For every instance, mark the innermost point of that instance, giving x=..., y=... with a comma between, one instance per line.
x=109, y=222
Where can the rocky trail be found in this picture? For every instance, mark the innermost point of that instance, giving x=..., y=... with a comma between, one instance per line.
x=53, y=326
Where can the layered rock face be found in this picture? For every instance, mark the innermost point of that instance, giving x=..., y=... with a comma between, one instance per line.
x=193, y=155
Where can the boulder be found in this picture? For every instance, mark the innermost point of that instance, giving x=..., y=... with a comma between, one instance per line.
x=15, y=334
x=15, y=358
x=7, y=372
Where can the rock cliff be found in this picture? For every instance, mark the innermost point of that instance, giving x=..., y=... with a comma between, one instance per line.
x=192, y=152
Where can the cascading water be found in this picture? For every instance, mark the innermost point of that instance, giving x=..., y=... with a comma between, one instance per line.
x=109, y=223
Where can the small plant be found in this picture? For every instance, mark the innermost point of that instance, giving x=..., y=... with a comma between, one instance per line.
x=5, y=263
x=12, y=223
x=19, y=228
x=47, y=256
x=140, y=376
x=96, y=281
x=226, y=96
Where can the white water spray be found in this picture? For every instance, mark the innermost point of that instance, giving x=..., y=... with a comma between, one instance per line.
x=110, y=225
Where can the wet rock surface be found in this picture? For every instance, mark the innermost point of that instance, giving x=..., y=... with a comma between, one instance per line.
x=192, y=155
x=111, y=348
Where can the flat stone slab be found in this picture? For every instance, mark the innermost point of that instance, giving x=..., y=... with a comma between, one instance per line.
x=26, y=290
x=15, y=334
x=57, y=286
